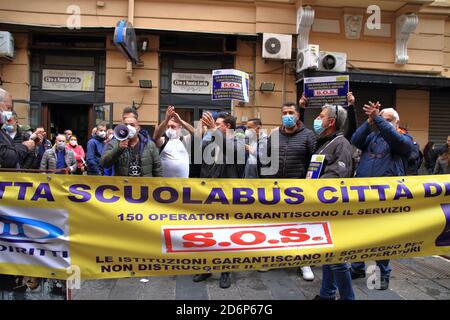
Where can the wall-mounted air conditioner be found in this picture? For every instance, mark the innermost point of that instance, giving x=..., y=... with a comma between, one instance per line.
x=333, y=61
x=277, y=46
x=6, y=45
x=308, y=58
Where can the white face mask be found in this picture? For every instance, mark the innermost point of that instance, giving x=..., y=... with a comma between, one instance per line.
x=73, y=143
x=171, y=133
x=102, y=134
x=61, y=146
x=132, y=132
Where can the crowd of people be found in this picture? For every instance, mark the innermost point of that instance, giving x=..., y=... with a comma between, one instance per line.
x=379, y=147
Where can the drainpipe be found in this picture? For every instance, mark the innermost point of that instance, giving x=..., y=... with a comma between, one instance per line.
x=256, y=108
x=283, y=95
x=129, y=65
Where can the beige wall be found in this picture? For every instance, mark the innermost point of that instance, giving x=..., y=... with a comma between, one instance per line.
x=122, y=92
x=413, y=107
x=429, y=45
x=267, y=104
x=447, y=49
x=425, y=46
x=15, y=75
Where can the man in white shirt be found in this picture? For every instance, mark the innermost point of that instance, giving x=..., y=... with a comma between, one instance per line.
x=173, y=145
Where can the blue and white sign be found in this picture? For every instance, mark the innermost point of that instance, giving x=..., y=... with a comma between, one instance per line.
x=322, y=90
x=230, y=84
x=42, y=241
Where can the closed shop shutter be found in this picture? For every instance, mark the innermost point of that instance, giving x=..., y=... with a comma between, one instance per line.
x=439, y=125
x=369, y=92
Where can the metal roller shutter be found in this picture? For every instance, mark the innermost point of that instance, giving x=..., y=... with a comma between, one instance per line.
x=439, y=125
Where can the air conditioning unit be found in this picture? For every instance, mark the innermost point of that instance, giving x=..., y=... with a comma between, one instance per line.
x=277, y=46
x=332, y=61
x=6, y=45
x=308, y=58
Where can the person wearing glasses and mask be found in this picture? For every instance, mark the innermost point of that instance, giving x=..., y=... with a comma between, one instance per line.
x=59, y=157
x=384, y=153
x=12, y=155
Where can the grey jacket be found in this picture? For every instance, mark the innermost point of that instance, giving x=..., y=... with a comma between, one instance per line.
x=120, y=158
x=49, y=160
x=338, y=156
x=442, y=166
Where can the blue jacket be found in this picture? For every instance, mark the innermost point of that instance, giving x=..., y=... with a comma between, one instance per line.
x=93, y=154
x=383, y=151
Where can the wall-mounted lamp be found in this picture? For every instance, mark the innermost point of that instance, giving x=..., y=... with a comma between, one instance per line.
x=145, y=84
x=267, y=86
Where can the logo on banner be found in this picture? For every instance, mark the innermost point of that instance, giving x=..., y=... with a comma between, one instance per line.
x=246, y=237
x=34, y=236
x=24, y=230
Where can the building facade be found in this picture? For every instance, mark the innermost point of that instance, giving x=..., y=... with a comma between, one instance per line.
x=67, y=73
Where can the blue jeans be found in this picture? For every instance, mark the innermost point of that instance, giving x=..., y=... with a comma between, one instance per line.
x=337, y=276
x=385, y=268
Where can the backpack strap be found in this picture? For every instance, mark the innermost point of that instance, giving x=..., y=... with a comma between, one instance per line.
x=166, y=140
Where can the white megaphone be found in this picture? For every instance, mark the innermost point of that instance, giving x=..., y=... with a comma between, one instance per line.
x=124, y=132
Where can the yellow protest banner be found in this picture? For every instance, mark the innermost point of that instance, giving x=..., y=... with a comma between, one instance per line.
x=111, y=227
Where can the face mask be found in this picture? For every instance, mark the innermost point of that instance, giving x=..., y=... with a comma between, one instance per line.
x=111, y=136
x=102, y=134
x=318, y=126
x=132, y=132
x=5, y=116
x=8, y=128
x=61, y=145
x=289, y=120
x=73, y=143
x=250, y=134
x=171, y=133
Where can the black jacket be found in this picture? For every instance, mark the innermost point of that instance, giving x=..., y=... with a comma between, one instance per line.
x=338, y=156
x=229, y=165
x=295, y=151
x=11, y=154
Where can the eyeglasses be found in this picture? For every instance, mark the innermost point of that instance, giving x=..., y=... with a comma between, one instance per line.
x=336, y=116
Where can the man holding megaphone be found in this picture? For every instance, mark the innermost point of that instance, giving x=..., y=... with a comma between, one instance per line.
x=132, y=153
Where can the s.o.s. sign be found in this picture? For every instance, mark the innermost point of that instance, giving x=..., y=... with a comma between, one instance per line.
x=245, y=237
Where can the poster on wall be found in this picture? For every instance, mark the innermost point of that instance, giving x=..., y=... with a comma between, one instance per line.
x=68, y=80
x=191, y=83
x=230, y=84
x=322, y=90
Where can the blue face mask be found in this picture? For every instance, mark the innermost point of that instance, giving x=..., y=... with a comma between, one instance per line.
x=8, y=128
x=318, y=126
x=289, y=120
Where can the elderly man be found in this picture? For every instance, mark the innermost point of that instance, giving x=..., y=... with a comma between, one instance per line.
x=338, y=163
x=13, y=154
x=384, y=151
x=59, y=157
